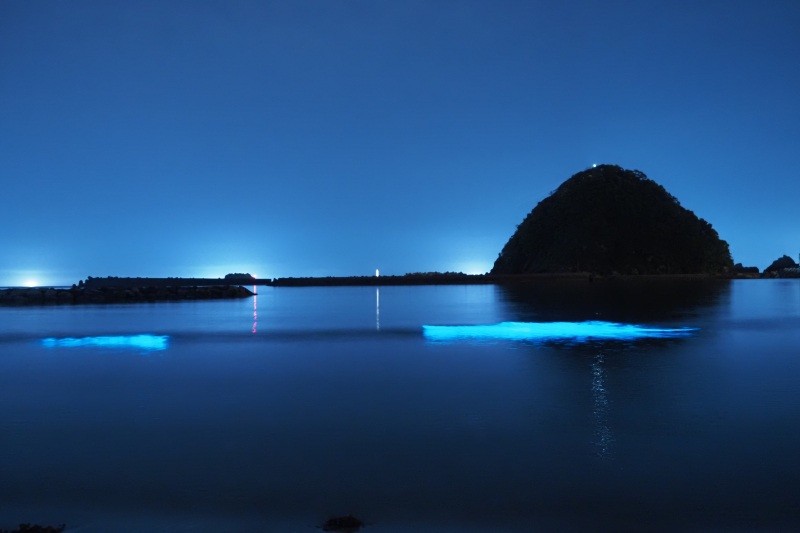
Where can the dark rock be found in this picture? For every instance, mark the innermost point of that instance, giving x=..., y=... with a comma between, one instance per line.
x=610, y=220
x=342, y=523
x=103, y=295
x=35, y=528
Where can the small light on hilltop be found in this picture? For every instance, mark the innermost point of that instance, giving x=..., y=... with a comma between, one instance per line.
x=594, y=165
x=377, y=273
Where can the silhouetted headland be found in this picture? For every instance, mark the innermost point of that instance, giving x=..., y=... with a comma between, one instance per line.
x=783, y=267
x=609, y=220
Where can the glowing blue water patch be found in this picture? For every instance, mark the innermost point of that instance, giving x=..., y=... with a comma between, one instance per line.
x=552, y=331
x=137, y=342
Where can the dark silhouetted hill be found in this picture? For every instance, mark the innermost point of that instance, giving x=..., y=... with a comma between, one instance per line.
x=611, y=220
x=780, y=264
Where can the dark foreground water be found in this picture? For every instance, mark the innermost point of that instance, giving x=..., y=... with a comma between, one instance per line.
x=276, y=414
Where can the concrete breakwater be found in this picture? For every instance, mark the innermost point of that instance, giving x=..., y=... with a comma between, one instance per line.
x=110, y=295
x=427, y=278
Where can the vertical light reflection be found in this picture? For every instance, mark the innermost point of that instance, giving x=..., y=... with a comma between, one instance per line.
x=377, y=308
x=602, y=432
x=255, y=311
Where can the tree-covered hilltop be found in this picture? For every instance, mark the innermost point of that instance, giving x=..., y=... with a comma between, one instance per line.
x=607, y=220
x=781, y=263
x=238, y=276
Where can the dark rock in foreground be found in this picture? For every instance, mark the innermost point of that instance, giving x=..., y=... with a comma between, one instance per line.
x=114, y=295
x=342, y=523
x=35, y=528
x=608, y=220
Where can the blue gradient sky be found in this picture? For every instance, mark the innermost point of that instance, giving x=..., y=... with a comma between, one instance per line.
x=333, y=138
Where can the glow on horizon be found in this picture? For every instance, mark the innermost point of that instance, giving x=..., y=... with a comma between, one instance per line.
x=138, y=342
x=39, y=276
x=553, y=331
x=474, y=267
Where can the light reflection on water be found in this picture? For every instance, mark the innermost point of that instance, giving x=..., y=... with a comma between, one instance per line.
x=255, y=312
x=604, y=438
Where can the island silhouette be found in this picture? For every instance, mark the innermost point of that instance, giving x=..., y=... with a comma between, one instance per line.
x=609, y=220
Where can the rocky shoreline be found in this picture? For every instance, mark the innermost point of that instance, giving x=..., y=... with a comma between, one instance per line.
x=113, y=295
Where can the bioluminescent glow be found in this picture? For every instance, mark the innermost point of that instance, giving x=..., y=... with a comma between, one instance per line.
x=553, y=331
x=137, y=342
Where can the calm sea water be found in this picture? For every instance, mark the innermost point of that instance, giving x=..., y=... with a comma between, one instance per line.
x=278, y=412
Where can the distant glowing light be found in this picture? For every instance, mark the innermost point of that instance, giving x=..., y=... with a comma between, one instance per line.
x=552, y=331
x=138, y=342
x=30, y=283
x=474, y=268
x=377, y=273
x=594, y=165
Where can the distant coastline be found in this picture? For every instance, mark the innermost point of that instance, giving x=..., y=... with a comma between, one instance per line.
x=114, y=290
x=467, y=279
x=424, y=278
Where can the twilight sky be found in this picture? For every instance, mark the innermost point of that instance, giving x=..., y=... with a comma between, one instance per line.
x=172, y=138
